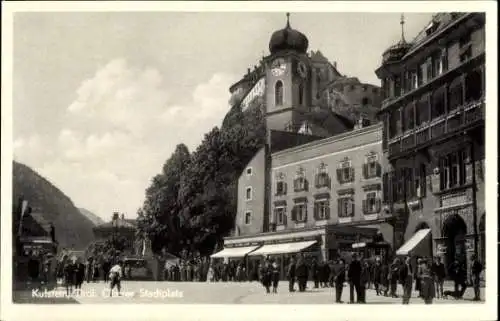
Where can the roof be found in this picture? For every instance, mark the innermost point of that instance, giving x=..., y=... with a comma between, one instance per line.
x=40, y=220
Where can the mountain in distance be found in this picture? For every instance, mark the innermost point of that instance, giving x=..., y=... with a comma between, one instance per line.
x=72, y=228
x=96, y=220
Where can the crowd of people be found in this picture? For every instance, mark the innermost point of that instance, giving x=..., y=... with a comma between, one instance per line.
x=426, y=276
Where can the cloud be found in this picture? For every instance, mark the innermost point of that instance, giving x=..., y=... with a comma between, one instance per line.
x=119, y=131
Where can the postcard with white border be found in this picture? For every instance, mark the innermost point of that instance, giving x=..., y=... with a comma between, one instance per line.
x=246, y=160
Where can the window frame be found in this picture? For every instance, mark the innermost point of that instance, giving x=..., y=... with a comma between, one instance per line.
x=281, y=209
x=249, y=171
x=279, y=95
x=247, y=189
x=248, y=214
x=346, y=203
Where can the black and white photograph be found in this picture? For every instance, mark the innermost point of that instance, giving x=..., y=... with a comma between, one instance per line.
x=250, y=157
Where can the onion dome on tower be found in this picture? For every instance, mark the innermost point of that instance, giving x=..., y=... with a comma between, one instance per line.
x=288, y=39
x=397, y=51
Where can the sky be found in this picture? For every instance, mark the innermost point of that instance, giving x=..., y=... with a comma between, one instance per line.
x=101, y=99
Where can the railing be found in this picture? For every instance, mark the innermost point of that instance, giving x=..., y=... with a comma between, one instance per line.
x=465, y=116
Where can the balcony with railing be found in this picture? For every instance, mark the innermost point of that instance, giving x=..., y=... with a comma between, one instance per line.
x=466, y=116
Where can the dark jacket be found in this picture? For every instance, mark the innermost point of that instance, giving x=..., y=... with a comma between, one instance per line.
x=365, y=274
x=301, y=270
x=377, y=273
x=291, y=271
x=476, y=268
x=404, y=271
x=439, y=271
x=354, y=273
x=340, y=276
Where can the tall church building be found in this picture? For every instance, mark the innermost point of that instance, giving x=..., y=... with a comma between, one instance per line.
x=316, y=186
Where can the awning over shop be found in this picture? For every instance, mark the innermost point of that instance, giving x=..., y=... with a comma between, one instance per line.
x=358, y=245
x=234, y=252
x=413, y=242
x=282, y=248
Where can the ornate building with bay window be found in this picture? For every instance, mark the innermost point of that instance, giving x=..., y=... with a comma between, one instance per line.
x=433, y=114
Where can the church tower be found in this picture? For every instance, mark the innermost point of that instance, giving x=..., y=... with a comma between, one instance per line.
x=287, y=71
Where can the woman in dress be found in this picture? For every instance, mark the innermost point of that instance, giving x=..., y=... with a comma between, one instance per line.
x=275, y=276
x=210, y=274
x=394, y=277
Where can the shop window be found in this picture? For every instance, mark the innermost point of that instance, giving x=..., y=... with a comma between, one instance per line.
x=322, y=210
x=345, y=172
x=346, y=207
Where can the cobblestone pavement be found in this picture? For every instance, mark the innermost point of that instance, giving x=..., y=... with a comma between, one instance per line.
x=221, y=293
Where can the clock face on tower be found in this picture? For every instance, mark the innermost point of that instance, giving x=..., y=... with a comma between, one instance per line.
x=278, y=67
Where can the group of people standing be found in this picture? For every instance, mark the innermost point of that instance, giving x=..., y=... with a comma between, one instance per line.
x=424, y=275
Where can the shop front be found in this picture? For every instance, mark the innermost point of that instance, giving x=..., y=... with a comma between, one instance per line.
x=36, y=259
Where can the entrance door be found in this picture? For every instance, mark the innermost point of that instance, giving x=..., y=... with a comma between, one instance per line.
x=454, y=230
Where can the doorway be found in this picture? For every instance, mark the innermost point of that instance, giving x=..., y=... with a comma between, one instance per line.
x=454, y=231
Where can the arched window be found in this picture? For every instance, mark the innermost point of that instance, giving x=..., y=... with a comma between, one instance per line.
x=278, y=93
x=301, y=94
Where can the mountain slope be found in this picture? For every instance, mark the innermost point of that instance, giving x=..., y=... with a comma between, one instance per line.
x=96, y=220
x=72, y=228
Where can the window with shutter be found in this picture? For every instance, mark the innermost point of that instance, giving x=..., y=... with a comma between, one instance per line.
x=316, y=210
x=339, y=207
x=339, y=176
x=294, y=213
x=378, y=169
x=351, y=174
x=316, y=181
x=352, y=209
x=365, y=171
x=327, y=212
x=284, y=188
x=365, y=206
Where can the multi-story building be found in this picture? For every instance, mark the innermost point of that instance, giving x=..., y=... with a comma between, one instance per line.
x=316, y=186
x=433, y=114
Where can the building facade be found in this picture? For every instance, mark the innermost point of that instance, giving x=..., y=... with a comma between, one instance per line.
x=316, y=186
x=433, y=136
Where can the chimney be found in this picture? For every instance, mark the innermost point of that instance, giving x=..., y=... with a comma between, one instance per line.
x=248, y=71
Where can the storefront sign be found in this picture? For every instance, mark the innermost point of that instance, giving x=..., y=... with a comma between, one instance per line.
x=456, y=199
x=441, y=249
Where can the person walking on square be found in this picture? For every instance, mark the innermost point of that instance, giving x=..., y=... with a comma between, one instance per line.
x=340, y=276
x=476, y=269
x=301, y=272
x=393, y=277
x=428, y=290
x=266, y=276
x=439, y=273
x=79, y=275
x=331, y=275
x=377, y=276
x=315, y=273
x=115, y=277
x=406, y=278
x=418, y=282
x=364, y=281
x=458, y=274
x=291, y=275
x=275, y=275
x=354, y=277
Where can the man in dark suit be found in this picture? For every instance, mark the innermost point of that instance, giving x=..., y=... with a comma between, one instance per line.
x=354, y=277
